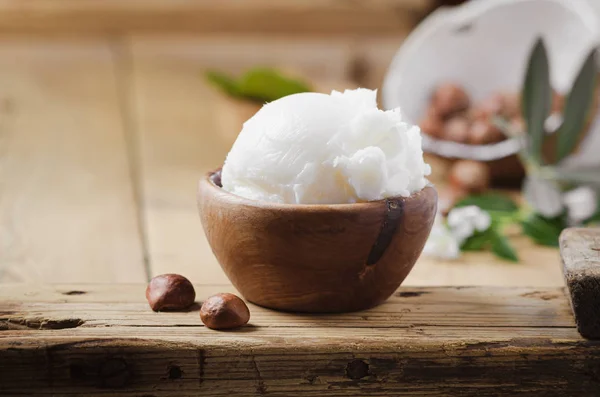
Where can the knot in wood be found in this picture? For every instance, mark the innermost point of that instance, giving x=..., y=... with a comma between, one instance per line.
x=175, y=372
x=114, y=373
x=357, y=369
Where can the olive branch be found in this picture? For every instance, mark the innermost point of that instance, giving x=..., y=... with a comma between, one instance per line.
x=543, y=151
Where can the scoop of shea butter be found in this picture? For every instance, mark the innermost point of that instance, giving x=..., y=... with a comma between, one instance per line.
x=315, y=148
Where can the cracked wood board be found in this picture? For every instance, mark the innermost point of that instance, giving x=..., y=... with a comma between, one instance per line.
x=103, y=339
x=580, y=251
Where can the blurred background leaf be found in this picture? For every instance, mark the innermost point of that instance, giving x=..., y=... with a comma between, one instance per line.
x=267, y=85
x=477, y=242
x=224, y=82
x=490, y=202
x=258, y=84
x=577, y=108
x=544, y=231
x=536, y=99
x=502, y=248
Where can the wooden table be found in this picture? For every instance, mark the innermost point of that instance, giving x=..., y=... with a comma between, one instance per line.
x=102, y=141
x=69, y=340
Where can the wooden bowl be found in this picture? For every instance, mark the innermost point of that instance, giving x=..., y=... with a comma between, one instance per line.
x=315, y=258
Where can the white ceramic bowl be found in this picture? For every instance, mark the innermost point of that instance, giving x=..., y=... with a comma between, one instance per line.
x=484, y=45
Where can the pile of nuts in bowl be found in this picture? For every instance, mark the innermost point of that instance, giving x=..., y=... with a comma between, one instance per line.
x=173, y=292
x=452, y=115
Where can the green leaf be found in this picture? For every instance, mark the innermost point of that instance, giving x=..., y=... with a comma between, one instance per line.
x=491, y=238
x=267, y=85
x=502, y=248
x=536, y=99
x=259, y=84
x=224, y=82
x=577, y=107
x=477, y=242
x=490, y=202
x=544, y=231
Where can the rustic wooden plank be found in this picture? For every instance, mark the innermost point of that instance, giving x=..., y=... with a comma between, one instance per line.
x=437, y=341
x=178, y=132
x=580, y=251
x=141, y=367
x=67, y=210
x=124, y=305
x=290, y=16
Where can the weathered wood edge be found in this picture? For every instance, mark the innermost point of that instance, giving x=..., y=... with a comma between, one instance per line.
x=181, y=359
x=580, y=253
x=139, y=367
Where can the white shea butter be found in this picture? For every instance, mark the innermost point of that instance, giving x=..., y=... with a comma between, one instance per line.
x=315, y=148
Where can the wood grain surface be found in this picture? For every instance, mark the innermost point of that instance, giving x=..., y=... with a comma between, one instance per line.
x=207, y=16
x=580, y=252
x=67, y=210
x=103, y=339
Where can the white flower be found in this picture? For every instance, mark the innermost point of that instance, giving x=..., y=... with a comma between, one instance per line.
x=581, y=204
x=547, y=200
x=445, y=240
x=465, y=221
x=482, y=222
x=463, y=231
x=543, y=196
x=441, y=243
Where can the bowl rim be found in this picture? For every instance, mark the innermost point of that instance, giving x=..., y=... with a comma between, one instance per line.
x=208, y=180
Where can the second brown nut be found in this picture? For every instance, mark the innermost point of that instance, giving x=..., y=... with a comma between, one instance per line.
x=224, y=311
x=170, y=292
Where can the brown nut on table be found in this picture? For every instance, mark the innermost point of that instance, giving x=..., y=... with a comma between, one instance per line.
x=224, y=311
x=170, y=292
x=469, y=175
x=449, y=99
